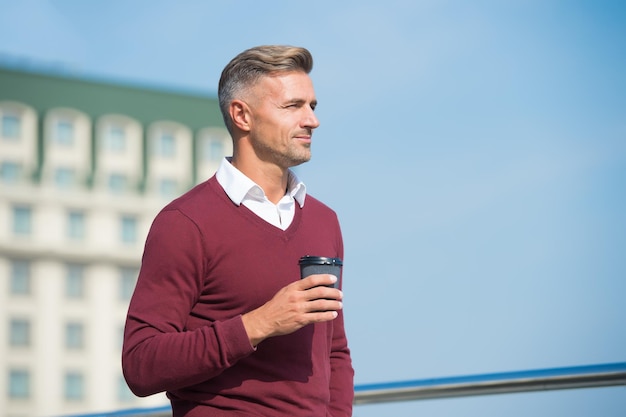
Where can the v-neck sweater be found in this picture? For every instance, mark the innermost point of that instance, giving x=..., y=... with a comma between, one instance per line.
x=206, y=262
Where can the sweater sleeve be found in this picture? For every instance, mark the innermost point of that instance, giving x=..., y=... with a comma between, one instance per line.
x=158, y=353
x=342, y=372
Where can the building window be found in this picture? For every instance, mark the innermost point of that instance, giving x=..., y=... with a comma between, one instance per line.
x=10, y=172
x=74, y=335
x=129, y=229
x=166, y=145
x=22, y=220
x=118, y=183
x=19, y=333
x=115, y=139
x=128, y=280
x=19, y=384
x=76, y=225
x=75, y=281
x=11, y=126
x=168, y=188
x=64, y=178
x=74, y=386
x=20, y=277
x=214, y=150
x=64, y=133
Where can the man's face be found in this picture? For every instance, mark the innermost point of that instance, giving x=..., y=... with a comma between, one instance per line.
x=282, y=118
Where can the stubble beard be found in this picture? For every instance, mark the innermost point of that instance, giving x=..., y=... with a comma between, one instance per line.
x=286, y=158
x=299, y=156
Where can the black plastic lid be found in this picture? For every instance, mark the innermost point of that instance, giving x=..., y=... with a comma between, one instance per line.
x=320, y=260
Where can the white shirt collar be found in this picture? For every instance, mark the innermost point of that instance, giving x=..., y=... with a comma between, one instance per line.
x=239, y=187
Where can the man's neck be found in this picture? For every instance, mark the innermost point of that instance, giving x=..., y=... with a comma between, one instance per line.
x=271, y=178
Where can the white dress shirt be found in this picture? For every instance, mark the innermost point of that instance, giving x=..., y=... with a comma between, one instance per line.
x=242, y=190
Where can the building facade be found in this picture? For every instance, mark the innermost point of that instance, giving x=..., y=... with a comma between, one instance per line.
x=85, y=165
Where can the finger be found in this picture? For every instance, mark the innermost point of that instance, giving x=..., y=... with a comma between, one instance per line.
x=321, y=316
x=321, y=305
x=323, y=292
x=318, y=280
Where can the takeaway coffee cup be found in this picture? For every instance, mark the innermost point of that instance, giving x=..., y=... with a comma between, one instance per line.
x=311, y=265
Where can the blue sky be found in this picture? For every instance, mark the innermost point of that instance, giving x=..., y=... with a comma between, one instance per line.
x=474, y=151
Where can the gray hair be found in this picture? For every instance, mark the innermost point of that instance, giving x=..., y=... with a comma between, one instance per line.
x=246, y=68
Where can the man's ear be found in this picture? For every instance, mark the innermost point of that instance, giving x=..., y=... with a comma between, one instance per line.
x=240, y=115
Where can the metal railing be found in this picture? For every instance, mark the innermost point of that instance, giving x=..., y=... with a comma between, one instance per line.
x=589, y=376
x=499, y=383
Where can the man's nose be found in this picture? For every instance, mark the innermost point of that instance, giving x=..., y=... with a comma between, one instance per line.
x=310, y=120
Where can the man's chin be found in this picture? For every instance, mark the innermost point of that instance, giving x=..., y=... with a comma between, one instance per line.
x=299, y=161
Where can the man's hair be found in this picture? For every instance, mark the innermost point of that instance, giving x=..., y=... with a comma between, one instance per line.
x=246, y=68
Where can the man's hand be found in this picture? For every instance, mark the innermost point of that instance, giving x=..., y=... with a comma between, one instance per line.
x=303, y=302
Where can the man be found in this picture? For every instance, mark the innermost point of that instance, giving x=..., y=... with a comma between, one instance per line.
x=220, y=318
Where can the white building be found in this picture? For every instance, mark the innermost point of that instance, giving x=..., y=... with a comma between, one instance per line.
x=84, y=168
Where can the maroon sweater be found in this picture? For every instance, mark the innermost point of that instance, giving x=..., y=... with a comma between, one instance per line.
x=206, y=262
